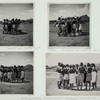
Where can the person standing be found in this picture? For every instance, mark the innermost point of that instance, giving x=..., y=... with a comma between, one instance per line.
x=80, y=78
x=72, y=76
x=22, y=74
x=69, y=27
x=66, y=76
x=94, y=76
x=5, y=26
x=1, y=74
x=58, y=24
x=60, y=77
x=88, y=76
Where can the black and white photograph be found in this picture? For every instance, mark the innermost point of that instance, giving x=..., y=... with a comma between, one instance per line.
x=69, y=25
x=76, y=74
x=16, y=24
x=16, y=73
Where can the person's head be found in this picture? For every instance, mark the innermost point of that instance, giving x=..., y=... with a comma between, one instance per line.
x=59, y=18
x=14, y=66
x=12, y=19
x=84, y=66
x=81, y=64
x=77, y=65
x=71, y=66
x=88, y=64
x=93, y=66
x=59, y=64
x=67, y=65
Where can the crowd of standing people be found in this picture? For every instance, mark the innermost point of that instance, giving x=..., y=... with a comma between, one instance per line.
x=77, y=76
x=11, y=26
x=12, y=73
x=70, y=26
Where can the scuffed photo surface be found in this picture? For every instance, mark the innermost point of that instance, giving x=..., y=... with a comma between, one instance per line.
x=16, y=73
x=16, y=24
x=65, y=73
x=69, y=25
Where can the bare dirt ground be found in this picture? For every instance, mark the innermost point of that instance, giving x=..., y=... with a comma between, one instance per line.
x=18, y=88
x=25, y=39
x=52, y=90
x=55, y=40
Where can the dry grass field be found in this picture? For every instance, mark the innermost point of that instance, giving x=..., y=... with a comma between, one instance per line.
x=55, y=40
x=24, y=39
x=52, y=90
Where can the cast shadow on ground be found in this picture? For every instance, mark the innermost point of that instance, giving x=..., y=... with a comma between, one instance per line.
x=26, y=81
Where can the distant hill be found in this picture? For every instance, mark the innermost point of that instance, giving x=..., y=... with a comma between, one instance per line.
x=28, y=67
x=84, y=18
x=51, y=68
x=27, y=21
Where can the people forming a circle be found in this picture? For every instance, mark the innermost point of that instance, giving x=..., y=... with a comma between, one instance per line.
x=70, y=26
x=77, y=76
x=12, y=73
x=11, y=26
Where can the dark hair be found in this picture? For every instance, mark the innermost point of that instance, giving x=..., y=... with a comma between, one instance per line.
x=81, y=64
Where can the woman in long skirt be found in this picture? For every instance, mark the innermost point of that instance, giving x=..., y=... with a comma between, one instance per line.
x=72, y=77
x=80, y=78
x=69, y=27
x=66, y=77
x=89, y=76
x=94, y=76
x=80, y=29
x=9, y=75
x=22, y=73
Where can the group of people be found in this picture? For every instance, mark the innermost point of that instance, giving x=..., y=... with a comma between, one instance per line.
x=12, y=73
x=77, y=76
x=70, y=26
x=11, y=26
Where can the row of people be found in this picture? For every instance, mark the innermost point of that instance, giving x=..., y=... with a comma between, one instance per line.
x=77, y=75
x=11, y=26
x=71, y=26
x=12, y=74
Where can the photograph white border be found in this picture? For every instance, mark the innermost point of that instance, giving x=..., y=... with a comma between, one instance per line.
x=71, y=47
x=33, y=72
x=21, y=47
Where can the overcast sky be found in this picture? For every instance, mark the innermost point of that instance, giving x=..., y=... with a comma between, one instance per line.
x=68, y=10
x=53, y=59
x=16, y=58
x=22, y=11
